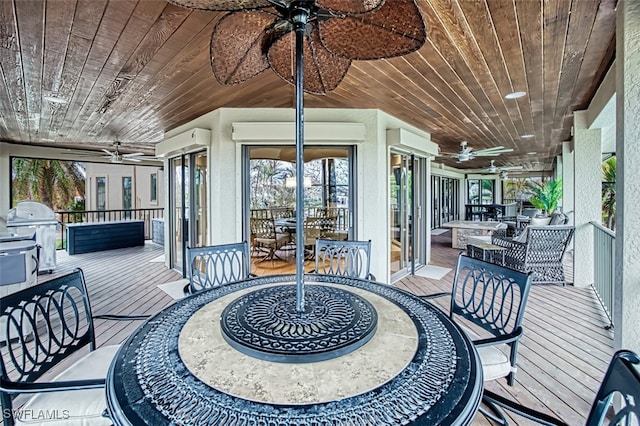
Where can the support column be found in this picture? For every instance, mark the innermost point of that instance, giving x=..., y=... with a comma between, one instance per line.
x=567, y=181
x=627, y=286
x=587, y=195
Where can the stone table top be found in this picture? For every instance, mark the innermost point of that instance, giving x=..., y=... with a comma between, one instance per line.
x=470, y=224
x=419, y=368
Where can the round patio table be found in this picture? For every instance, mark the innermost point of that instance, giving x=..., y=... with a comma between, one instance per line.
x=178, y=368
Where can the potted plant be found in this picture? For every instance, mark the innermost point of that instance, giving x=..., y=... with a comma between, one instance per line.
x=546, y=195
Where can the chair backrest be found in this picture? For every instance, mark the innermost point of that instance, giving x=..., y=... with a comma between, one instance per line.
x=313, y=229
x=350, y=258
x=491, y=297
x=281, y=212
x=547, y=243
x=261, y=213
x=42, y=325
x=213, y=266
x=263, y=228
x=622, y=379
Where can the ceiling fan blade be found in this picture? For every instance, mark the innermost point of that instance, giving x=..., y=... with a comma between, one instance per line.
x=133, y=154
x=495, y=149
x=137, y=160
x=108, y=152
x=488, y=154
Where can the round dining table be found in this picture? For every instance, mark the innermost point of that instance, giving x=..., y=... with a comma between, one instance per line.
x=413, y=365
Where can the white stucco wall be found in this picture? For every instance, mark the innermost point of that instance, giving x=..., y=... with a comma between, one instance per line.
x=627, y=289
x=140, y=185
x=372, y=152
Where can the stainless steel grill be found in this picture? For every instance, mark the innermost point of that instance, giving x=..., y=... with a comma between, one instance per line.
x=38, y=216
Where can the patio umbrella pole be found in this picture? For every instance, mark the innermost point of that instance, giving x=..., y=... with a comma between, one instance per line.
x=299, y=18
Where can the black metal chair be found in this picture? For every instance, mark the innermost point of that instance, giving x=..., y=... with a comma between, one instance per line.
x=42, y=326
x=217, y=265
x=491, y=298
x=622, y=378
x=488, y=301
x=350, y=258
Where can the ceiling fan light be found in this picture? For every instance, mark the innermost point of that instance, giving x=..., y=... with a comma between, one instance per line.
x=515, y=95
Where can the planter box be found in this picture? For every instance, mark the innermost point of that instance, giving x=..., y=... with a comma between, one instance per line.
x=98, y=236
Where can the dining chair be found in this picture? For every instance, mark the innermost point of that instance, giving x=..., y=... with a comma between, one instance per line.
x=42, y=326
x=349, y=258
x=217, y=265
x=488, y=302
x=265, y=236
x=617, y=401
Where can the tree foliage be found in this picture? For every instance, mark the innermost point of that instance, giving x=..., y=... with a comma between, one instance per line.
x=609, y=192
x=54, y=183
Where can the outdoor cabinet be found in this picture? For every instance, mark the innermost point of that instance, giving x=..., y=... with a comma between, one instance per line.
x=98, y=236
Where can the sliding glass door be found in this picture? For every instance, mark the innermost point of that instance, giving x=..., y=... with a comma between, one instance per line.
x=407, y=191
x=188, y=201
x=445, y=205
x=269, y=189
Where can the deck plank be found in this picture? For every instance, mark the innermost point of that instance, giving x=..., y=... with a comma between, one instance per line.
x=562, y=356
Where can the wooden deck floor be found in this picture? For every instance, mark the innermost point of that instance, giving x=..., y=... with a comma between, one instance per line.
x=562, y=357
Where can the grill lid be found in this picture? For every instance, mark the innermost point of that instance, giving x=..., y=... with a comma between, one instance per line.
x=29, y=212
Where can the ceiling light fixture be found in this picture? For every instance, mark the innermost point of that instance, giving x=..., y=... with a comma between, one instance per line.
x=514, y=95
x=531, y=153
x=527, y=136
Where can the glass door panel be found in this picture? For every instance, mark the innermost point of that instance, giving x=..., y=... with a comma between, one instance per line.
x=179, y=197
x=199, y=208
x=407, y=189
x=188, y=200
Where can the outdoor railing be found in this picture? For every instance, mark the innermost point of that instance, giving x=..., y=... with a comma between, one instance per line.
x=604, y=258
x=94, y=216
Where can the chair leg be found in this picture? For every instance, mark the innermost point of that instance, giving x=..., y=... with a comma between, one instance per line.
x=494, y=413
x=270, y=256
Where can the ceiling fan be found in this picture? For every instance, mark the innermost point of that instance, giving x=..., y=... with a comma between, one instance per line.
x=118, y=158
x=466, y=153
x=498, y=169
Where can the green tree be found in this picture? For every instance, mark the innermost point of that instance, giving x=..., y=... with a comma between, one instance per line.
x=609, y=192
x=52, y=182
x=268, y=187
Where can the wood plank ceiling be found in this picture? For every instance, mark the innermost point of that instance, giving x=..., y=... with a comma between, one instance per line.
x=84, y=73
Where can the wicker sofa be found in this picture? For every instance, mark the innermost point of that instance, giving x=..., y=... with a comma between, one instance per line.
x=539, y=249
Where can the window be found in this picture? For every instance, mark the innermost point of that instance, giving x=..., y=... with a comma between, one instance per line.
x=101, y=193
x=481, y=191
x=126, y=192
x=154, y=188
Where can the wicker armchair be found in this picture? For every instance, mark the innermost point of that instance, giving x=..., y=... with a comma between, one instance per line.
x=537, y=249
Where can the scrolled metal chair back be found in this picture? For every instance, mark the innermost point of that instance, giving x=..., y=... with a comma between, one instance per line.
x=42, y=325
x=217, y=265
x=621, y=379
x=490, y=296
x=349, y=258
